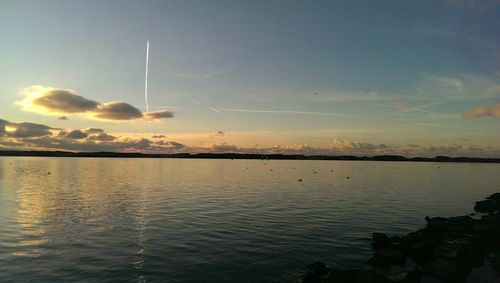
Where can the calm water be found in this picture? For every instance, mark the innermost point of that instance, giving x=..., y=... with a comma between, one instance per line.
x=180, y=220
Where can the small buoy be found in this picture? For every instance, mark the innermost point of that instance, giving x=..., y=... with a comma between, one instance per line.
x=348, y=177
x=48, y=173
x=300, y=180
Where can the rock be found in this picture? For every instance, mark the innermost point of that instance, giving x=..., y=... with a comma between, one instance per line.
x=495, y=196
x=315, y=272
x=379, y=240
x=446, y=271
x=309, y=277
x=487, y=206
x=408, y=273
x=495, y=262
x=318, y=268
x=449, y=251
x=422, y=250
x=387, y=257
x=444, y=251
x=451, y=224
x=355, y=276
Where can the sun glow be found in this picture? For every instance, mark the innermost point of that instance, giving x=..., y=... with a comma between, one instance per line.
x=10, y=129
x=30, y=95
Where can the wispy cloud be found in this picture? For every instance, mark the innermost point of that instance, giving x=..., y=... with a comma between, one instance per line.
x=217, y=110
x=201, y=75
x=289, y=112
x=492, y=110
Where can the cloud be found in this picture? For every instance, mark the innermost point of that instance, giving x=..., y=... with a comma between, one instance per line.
x=31, y=136
x=56, y=100
x=101, y=137
x=93, y=130
x=3, y=123
x=62, y=102
x=289, y=112
x=117, y=111
x=172, y=144
x=224, y=147
x=76, y=134
x=23, y=130
x=492, y=110
x=358, y=147
x=162, y=114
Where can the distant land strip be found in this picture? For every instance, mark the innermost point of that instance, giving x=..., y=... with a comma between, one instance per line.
x=248, y=156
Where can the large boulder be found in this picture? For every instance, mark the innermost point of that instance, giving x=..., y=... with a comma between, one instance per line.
x=495, y=196
x=315, y=272
x=446, y=271
x=355, y=276
x=458, y=224
x=387, y=257
x=380, y=240
x=487, y=206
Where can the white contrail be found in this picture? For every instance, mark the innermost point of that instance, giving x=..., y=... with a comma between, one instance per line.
x=146, y=81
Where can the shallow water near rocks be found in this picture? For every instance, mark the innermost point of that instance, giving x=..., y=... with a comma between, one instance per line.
x=185, y=220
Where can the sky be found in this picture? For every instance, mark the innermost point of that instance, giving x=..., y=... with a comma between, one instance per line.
x=416, y=78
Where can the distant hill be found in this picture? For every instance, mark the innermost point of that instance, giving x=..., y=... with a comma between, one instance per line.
x=248, y=156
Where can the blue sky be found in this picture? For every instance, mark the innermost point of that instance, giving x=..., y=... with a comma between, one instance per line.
x=299, y=76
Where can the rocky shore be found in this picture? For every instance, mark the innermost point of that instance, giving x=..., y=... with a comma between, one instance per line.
x=455, y=249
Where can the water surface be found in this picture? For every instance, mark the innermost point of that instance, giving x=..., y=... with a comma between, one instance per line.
x=185, y=220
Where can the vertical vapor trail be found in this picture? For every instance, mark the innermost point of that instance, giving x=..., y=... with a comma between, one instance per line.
x=146, y=80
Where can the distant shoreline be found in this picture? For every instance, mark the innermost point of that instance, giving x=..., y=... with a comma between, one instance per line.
x=248, y=156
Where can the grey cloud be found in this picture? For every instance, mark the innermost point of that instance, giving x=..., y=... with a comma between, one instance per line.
x=352, y=147
x=65, y=101
x=3, y=123
x=162, y=114
x=25, y=130
x=93, y=130
x=117, y=111
x=37, y=136
x=223, y=147
x=101, y=137
x=76, y=135
x=171, y=144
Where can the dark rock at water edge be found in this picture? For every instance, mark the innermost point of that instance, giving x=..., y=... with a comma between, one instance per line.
x=445, y=250
x=487, y=205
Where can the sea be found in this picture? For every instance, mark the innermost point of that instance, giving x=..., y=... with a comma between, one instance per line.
x=214, y=220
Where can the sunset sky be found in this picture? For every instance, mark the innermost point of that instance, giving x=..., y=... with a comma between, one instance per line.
x=310, y=77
